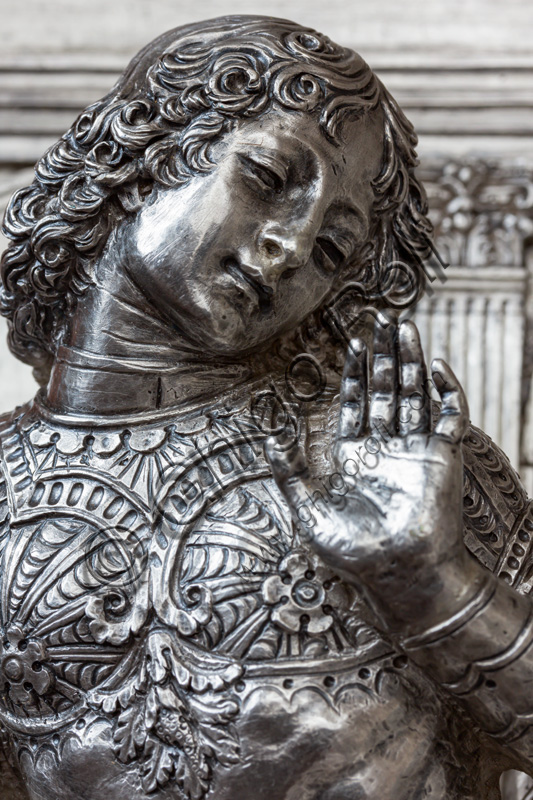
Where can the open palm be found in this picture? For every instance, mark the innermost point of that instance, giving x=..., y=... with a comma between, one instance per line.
x=397, y=516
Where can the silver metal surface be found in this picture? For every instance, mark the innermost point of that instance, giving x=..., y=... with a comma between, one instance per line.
x=230, y=569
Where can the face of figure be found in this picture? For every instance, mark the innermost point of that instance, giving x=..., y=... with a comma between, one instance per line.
x=245, y=252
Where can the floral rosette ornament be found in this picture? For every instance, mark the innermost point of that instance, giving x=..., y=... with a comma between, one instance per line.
x=304, y=593
x=21, y=664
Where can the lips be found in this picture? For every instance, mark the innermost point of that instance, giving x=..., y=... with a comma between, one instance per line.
x=259, y=291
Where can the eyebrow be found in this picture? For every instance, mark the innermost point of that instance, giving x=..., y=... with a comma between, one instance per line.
x=347, y=209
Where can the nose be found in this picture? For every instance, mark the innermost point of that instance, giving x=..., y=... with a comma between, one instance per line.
x=281, y=250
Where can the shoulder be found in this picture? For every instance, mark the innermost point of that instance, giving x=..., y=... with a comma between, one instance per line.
x=7, y=430
x=10, y=431
x=498, y=515
x=13, y=459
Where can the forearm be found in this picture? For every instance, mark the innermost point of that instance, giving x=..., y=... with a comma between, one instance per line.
x=482, y=652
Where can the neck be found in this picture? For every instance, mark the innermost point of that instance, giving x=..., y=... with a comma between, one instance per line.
x=122, y=357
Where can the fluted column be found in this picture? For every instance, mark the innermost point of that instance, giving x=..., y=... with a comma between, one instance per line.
x=475, y=320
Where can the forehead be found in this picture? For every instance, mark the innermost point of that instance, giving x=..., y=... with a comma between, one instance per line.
x=296, y=138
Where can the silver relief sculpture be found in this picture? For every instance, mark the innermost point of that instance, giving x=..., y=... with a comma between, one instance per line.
x=243, y=552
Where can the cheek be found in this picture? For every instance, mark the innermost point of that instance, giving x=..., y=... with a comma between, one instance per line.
x=303, y=292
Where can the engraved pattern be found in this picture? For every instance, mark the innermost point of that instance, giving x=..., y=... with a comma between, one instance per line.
x=244, y=593
x=76, y=576
x=271, y=599
x=493, y=500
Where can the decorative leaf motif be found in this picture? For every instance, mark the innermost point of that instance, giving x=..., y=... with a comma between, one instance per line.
x=193, y=785
x=164, y=727
x=157, y=767
x=175, y=742
x=130, y=734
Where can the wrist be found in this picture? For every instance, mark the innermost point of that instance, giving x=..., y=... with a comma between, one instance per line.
x=430, y=595
x=490, y=631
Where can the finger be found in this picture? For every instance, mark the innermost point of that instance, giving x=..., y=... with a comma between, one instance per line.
x=454, y=417
x=354, y=391
x=415, y=413
x=382, y=412
x=291, y=473
x=289, y=469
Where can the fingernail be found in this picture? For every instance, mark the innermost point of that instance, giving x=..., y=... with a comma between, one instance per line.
x=439, y=381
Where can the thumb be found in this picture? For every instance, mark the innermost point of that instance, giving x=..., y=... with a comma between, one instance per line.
x=291, y=473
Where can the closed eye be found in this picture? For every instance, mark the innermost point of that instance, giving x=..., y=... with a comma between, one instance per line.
x=269, y=179
x=329, y=256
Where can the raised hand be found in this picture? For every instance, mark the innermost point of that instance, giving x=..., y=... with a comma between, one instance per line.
x=395, y=525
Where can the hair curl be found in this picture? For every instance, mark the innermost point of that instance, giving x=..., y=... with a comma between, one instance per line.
x=181, y=93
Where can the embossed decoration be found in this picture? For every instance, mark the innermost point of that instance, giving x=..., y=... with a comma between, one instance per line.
x=303, y=594
x=174, y=717
x=21, y=662
x=489, y=517
x=482, y=213
x=48, y=649
x=248, y=559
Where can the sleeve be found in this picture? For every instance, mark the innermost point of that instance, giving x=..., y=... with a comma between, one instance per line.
x=498, y=516
x=483, y=654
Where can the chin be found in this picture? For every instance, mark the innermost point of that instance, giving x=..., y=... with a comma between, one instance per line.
x=234, y=329
x=230, y=342
x=237, y=344
x=231, y=334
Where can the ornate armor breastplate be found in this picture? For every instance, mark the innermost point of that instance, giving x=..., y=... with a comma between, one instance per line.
x=145, y=572
x=152, y=577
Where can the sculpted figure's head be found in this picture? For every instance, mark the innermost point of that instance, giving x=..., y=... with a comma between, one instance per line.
x=241, y=171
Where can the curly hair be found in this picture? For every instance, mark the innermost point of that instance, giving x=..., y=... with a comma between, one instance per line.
x=178, y=95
